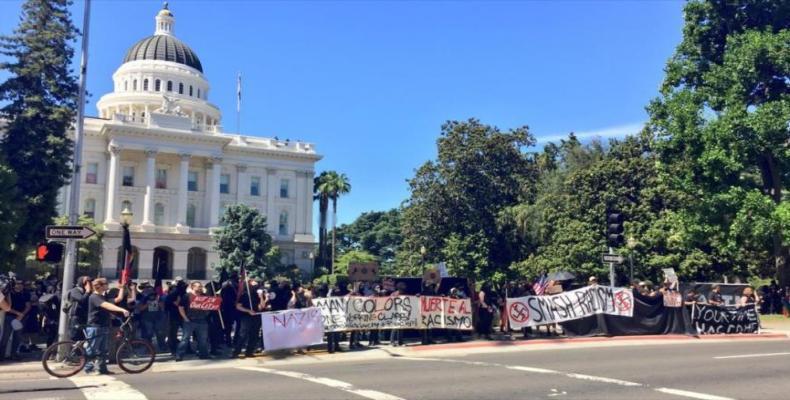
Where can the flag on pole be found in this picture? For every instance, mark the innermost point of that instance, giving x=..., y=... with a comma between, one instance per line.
x=158, y=282
x=242, y=279
x=540, y=285
x=238, y=92
x=128, y=257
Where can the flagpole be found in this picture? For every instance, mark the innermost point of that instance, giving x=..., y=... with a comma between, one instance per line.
x=214, y=290
x=238, y=103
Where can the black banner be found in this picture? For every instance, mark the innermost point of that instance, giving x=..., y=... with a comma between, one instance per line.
x=718, y=320
x=650, y=317
x=730, y=292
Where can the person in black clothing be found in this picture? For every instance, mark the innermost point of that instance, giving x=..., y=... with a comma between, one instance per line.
x=228, y=309
x=485, y=311
x=428, y=289
x=78, y=309
x=177, y=290
x=715, y=298
x=194, y=321
x=248, y=305
x=98, y=327
x=19, y=308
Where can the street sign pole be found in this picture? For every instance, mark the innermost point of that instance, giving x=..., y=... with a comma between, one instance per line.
x=611, y=269
x=74, y=192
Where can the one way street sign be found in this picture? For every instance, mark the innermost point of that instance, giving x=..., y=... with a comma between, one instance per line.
x=69, y=232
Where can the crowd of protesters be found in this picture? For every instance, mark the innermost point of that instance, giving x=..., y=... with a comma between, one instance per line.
x=161, y=313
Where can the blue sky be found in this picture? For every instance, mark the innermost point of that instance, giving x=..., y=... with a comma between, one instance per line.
x=371, y=82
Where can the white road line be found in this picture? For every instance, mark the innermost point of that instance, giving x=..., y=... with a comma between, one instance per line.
x=753, y=355
x=333, y=383
x=104, y=387
x=693, y=395
x=602, y=379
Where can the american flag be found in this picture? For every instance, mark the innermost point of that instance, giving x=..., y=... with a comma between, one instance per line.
x=540, y=285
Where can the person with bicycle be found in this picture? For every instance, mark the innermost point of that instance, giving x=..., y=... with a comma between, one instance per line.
x=78, y=307
x=98, y=327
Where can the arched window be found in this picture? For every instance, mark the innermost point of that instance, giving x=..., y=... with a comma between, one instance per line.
x=169, y=86
x=90, y=208
x=190, y=90
x=162, y=263
x=283, y=228
x=134, y=85
x=157, y=85
x=180, y=88
x=191, y=211
x=159, y=214
x=145, y=85
x=196, y=263
x=122, y=260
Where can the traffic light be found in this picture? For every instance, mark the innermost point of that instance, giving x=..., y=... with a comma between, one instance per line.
x=614, y=229
x=50, y=252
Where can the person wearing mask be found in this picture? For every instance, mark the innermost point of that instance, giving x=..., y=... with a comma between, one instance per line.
x=248, y=306
x=177, y=290
x=149, y=310
x=715, y=298
x=19, y=306
x=228, y=310
x=98, y=327
x=195, y=321
x=487, y=301
x=749, y=297
x=78, y=307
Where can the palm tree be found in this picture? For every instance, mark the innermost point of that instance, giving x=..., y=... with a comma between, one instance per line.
x=322, y=192
x=340, y=185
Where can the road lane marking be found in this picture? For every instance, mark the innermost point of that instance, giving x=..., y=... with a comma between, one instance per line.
x=104, y=387
x=602, y=379
x=333, y=383
x=693, y=395
x=753, y=355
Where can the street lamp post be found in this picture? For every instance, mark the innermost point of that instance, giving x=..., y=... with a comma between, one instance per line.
x=631, y=243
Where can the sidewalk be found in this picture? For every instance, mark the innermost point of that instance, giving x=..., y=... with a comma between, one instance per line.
x=503, y=343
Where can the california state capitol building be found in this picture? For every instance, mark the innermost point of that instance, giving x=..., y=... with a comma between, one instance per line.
x=158, y=149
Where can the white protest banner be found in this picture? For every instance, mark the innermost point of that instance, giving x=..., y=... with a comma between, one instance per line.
x=383, y=312
x=579, y=303
x=333, y=312
x=361, y=313
x=445, y=313
x=292, y=329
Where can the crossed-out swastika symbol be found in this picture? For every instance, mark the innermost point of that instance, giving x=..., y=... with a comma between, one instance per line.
x=519, y=312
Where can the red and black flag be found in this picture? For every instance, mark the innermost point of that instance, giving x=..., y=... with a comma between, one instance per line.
x=128, y=257
x=158, y=282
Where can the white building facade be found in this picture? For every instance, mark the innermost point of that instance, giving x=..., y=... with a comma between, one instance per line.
x=158, y=149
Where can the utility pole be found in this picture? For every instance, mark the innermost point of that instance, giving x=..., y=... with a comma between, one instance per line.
x=74, y=192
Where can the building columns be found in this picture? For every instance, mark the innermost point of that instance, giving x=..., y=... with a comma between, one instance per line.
x=112, y=177
x=150, y=181
x=183, y=182
x=216, y=170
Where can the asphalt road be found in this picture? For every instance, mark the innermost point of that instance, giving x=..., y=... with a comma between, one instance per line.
x=690, y=370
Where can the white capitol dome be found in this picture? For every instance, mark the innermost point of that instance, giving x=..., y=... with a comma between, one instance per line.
x=156, y=67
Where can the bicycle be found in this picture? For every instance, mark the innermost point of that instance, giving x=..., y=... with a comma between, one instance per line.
x=68, y=358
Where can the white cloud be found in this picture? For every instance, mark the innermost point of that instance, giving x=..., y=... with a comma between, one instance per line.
x=609, y=132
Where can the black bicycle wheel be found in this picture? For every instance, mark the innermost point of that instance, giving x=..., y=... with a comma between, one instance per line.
x=135, y=356
x=63, y=359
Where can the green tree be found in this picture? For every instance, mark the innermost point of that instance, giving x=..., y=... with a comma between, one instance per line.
x=479, y=172
x=376, y=232
x=10, y=215
x=722, y=124
x=243, y=240
x=39, y=100
x=321, y=193
x=353, y=256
